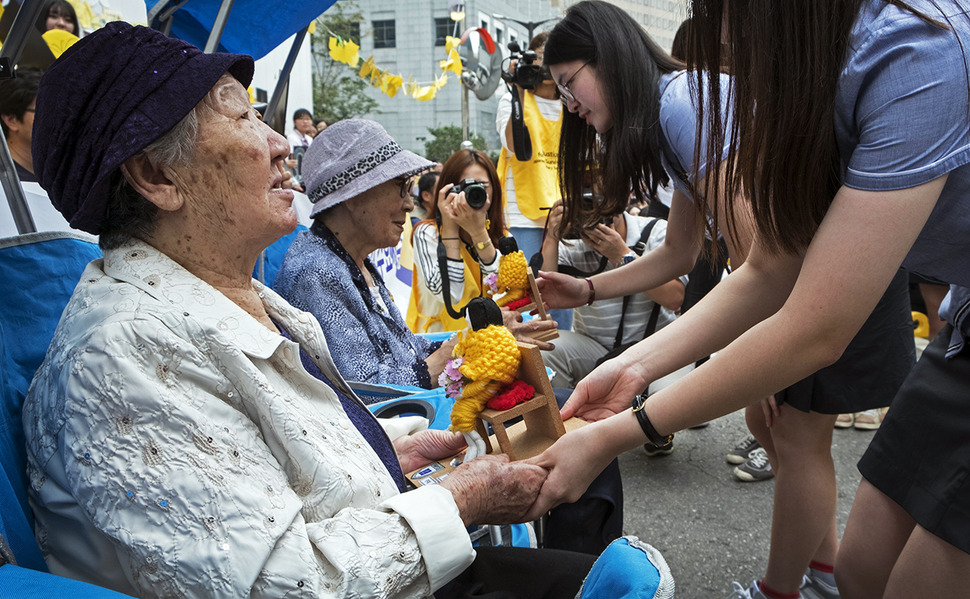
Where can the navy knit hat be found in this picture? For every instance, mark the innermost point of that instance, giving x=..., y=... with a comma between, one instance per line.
x=108, y=97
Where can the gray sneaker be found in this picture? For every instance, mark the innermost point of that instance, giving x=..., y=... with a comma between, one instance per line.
x=752, y=592
x=756, y=469
x=742, y=451
x=813, y=588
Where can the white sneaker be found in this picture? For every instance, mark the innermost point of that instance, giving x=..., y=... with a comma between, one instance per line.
x=813, y=588
x=752, y=592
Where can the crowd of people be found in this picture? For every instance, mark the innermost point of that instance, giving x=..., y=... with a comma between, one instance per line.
x=194, y=432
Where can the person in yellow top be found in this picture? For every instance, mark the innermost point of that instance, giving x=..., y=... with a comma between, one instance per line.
x=532, y=186
x=470, y=237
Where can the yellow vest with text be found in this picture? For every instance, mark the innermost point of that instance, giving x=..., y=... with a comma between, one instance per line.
x=536, y=180
x=435, y=322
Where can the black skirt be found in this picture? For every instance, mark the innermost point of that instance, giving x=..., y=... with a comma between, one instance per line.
x=920, y=457
x=873, y=366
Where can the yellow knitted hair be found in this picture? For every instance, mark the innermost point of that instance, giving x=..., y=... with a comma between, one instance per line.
x=491, y=362
x=513, y=277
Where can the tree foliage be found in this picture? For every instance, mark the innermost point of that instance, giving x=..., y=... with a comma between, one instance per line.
x=338, y=93
x=447, y=140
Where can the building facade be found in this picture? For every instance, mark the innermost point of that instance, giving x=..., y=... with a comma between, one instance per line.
x=408, y=38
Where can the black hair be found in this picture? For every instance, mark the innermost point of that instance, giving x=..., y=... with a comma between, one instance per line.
x=426, y=182
x=62, y=8
x=628, y=66
x=302, y=112
x=17, y=93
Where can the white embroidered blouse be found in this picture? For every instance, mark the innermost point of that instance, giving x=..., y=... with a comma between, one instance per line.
x=178, y=448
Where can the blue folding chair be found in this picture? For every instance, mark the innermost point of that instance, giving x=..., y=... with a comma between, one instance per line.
x=41, y=271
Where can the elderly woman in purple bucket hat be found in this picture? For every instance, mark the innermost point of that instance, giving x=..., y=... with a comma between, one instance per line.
x=359, y=180
x=177, y=445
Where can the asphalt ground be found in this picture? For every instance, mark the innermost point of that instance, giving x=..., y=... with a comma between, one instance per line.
x=711, y=528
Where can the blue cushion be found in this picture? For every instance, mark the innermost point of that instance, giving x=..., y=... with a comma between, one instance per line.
x=628, y=569
x=41, y=271
x=22, y=583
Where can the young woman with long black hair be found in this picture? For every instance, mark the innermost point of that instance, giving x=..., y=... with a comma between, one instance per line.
x=851, y=134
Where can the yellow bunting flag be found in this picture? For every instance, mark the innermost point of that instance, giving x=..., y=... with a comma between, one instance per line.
x=59, y=40
x=344, y=51
x=390, y=84
x=453, y=63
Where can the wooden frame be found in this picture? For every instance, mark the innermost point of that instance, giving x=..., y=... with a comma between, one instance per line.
x=541, y=423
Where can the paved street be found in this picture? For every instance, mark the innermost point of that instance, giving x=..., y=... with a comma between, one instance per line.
x=711, y=528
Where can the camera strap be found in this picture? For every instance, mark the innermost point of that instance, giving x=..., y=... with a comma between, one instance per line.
x=446, y=280
x=521, y=141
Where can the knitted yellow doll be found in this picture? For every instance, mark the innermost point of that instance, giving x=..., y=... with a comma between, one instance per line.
x=490, y=361
x=513, y=274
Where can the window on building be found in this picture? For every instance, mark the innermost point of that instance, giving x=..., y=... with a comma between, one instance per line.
x=384, y=34
x=443, y=27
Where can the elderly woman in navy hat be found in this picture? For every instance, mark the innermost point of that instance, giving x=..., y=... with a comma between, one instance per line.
x=176, y=444
x=360, y=179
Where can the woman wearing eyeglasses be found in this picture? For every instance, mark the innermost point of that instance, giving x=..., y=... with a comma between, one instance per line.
x=633, y=112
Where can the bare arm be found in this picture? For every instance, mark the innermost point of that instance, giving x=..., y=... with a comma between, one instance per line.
x=853, y=256
x=676, y=257
x=670, y=295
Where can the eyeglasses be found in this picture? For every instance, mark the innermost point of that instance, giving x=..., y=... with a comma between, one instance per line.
x=565, y=94
x=405, y=189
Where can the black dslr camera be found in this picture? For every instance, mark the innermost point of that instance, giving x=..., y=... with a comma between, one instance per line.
x=475, y=193
x=526, y=73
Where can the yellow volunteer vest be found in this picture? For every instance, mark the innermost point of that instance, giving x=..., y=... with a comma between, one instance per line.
x=536, y=180
x=442, y=321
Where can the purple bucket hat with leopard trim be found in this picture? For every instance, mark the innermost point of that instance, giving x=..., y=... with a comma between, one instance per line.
x=350, y=157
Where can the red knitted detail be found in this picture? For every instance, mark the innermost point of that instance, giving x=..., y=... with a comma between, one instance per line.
x=512, y=395
x=525, y=301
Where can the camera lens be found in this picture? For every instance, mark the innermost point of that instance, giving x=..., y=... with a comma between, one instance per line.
x=475, y=195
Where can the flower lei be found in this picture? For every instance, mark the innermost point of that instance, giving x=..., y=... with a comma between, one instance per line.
x=451, y=379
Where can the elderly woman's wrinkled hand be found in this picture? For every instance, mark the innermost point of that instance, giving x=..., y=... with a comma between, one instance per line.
x=420, y=449
x=492, y=490
x=523, y=331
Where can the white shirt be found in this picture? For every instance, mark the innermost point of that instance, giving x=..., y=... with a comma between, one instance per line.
x=177, y=447
x=600, y=321
x=298, y=139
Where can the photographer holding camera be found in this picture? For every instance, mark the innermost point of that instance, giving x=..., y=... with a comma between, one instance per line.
x=467, y=218
x=530, y=182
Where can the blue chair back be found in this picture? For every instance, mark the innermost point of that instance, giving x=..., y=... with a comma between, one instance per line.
x=272, y=257
x=41, y=271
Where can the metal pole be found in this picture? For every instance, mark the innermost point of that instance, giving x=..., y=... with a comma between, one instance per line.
x=13, y=46
x=282, y=85
x=464, y=112
x=219, y=26
x=14, y=191
x=10, y=53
